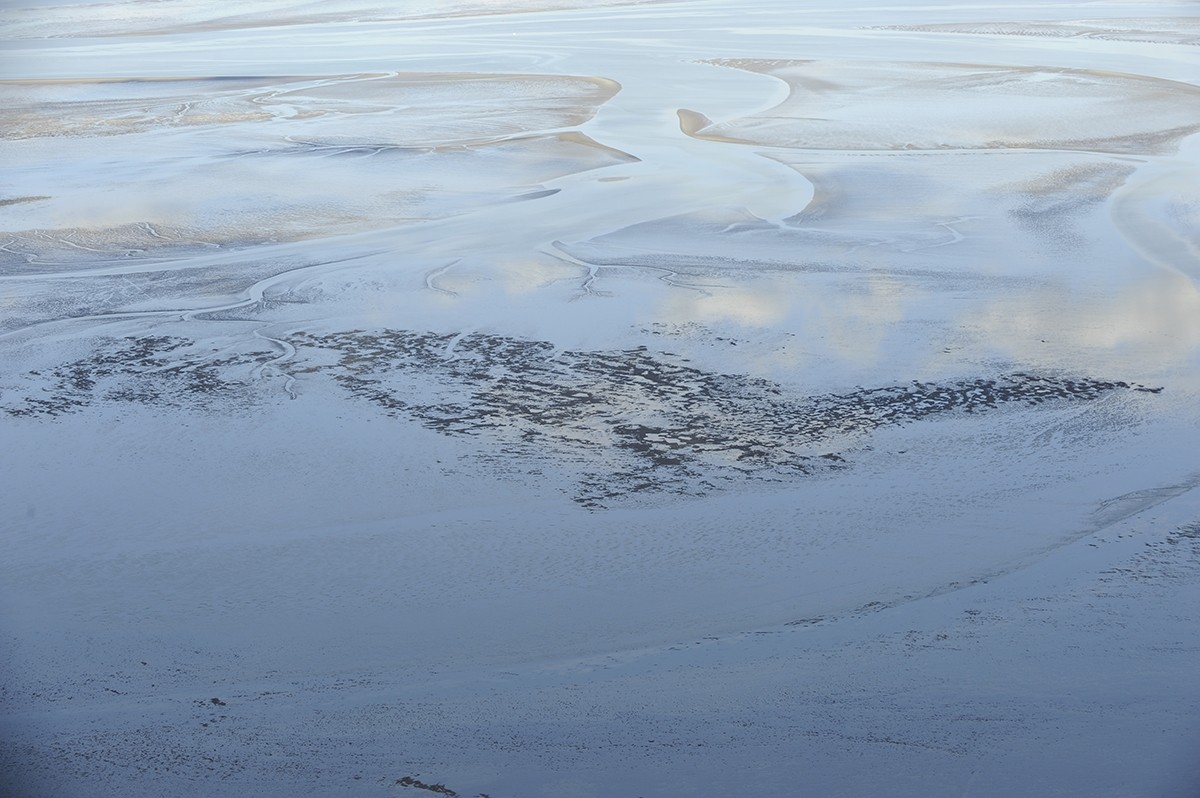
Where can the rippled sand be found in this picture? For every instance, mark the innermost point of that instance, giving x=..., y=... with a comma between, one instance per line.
x=610, y=398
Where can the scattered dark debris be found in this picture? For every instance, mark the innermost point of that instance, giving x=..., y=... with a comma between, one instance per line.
x=151, y=370
x=217, y=702
x=1190, y=532
x=411, y=781
x=19, y=200
x=1174, y=558
x=806, y=621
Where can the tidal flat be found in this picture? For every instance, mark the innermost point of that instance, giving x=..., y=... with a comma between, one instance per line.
x=553, y=398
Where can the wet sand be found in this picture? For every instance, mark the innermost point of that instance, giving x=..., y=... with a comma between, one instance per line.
x=546, y=399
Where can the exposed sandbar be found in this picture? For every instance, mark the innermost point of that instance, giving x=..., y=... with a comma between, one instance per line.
x=867, y=105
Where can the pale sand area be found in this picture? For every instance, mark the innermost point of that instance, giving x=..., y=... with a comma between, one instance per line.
x=402, y=110
x=480, y=427
x=33, y=19
x=873, y=105
x=277, y=159
x=1179, y=30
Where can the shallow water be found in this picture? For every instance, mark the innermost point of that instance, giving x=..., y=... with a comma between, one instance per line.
x=345, y=347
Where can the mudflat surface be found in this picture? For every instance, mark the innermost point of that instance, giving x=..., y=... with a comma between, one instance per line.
x=599, y=399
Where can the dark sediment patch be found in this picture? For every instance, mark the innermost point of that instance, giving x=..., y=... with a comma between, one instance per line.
x=160, y=371
x=643, y=423
x=622, y=424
